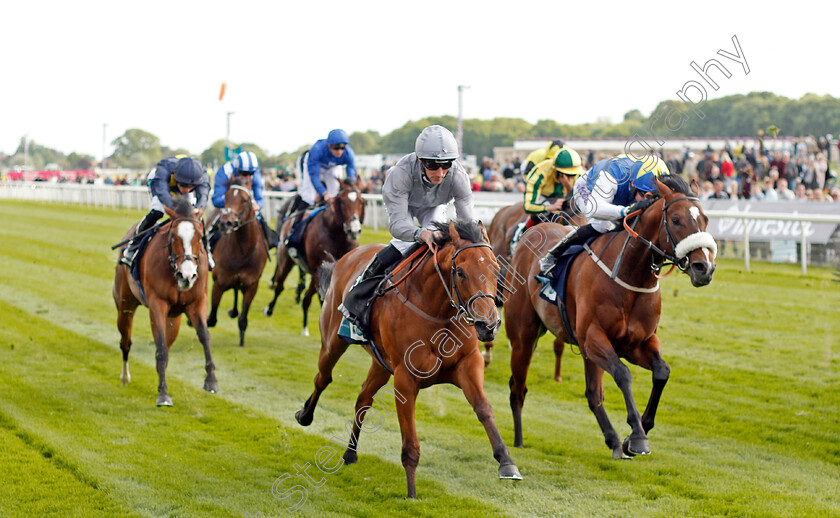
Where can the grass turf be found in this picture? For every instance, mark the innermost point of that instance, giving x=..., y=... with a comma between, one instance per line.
x=748, y=423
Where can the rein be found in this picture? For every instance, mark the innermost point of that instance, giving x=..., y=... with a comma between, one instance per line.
x=239, y=224
x=673, y=259
x=460, y=306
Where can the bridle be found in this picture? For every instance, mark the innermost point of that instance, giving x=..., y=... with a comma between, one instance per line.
x=238, y=223
x=338, y=207
x=457, y=301
x=176, y=259
x=680, y=262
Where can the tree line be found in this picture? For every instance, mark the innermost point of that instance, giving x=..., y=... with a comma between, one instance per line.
x=733, y=116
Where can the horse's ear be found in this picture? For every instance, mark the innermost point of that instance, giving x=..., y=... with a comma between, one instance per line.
x=484, y=234
x=695, y=187
x=453, y=234
x=663, y=189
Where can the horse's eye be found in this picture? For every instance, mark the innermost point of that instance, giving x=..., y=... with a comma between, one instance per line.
x=675, y=220
x=460, y=273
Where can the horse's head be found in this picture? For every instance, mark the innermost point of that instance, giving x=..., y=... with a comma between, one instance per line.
x=683, y=230
x=473, y=274
x=238, y=205
x=349, y=207
x=184, y=244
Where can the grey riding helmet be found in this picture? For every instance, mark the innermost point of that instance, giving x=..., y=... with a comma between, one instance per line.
x=436, y=143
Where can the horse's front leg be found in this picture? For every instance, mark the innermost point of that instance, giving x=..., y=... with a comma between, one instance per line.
x=406, y=387
x=197, y=313
x=595, y=397
x=470, y=377
x=649, y=357
x=377, y=377
x=216, y=299
x=158, y=309
x=599, y=350
x=307, y=301
x=247, y=297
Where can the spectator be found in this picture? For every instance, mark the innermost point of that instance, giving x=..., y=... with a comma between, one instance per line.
x=785, y=194
x=769, y=192
x=706, y=190
x=718, y=191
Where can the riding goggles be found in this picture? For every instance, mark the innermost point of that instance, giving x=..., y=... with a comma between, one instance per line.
x=338, y=146
x=434, y=165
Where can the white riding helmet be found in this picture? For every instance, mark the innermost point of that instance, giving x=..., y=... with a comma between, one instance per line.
x=437, y=143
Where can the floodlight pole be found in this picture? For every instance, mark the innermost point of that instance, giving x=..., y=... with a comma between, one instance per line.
x=459, y=136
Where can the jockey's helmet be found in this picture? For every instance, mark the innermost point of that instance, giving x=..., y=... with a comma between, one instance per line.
x=246, y=162
x=189, y=171
x=645, y=171
x=437, y=143
x=568, y=162
x=337, y=136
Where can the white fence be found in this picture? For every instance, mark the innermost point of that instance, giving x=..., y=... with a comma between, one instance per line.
x=137, y=197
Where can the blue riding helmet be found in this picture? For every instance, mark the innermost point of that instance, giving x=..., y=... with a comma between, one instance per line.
x=246, y=161
x=338, y=136
x=645, y=172
x=189, y=171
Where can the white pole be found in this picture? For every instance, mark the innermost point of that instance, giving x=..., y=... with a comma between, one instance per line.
x=459, y=135
x=104, y=140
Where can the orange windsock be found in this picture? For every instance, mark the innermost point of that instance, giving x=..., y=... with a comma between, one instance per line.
x=222, y=92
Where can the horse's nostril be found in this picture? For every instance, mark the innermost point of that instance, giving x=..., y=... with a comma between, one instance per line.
x=699, y=267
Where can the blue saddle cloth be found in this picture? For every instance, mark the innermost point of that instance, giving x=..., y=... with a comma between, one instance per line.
x=553, y=289
x=135, y=266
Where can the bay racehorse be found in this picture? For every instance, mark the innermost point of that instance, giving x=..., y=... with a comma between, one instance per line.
x=501, y=232
x=240, y=254
x=173, y=276
x=425, y=328
x=331, y=233
x=610, y=316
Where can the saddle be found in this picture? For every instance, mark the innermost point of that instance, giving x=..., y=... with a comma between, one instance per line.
x=553, y=286
x=358, y=304
x=295, y=238
x=135, y=266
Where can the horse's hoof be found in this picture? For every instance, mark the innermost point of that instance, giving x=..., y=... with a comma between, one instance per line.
x=211, y=322
x=233, y=313
x=618, y=454
x=350, y=457
x=510, y=472
x=303, y=419
x=488, y=357
x=305, y=331
x=267, y=311
x=518, y=444
x=558, y=379
x=211, y=386
x=164, y=401
x=125, y=380
x=634, y=446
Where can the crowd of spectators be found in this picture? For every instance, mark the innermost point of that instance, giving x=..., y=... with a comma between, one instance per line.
x=799, y=172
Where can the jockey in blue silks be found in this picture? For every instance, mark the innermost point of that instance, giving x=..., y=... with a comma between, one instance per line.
x=613, y=188
x=318, y=167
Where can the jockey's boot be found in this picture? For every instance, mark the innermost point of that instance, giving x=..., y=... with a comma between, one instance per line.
x=298, y=209
x=209, y=244
x=357, y=299
x=131, y=249
x=578, y=236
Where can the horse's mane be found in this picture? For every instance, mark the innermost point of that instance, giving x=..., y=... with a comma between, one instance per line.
x=236, y=180
x=676, y=183
x=467, y=229
x=182, y=207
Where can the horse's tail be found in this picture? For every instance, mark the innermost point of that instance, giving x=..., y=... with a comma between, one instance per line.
x=325, y=272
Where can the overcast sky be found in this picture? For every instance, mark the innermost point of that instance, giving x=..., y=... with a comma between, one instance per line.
x=294, y=70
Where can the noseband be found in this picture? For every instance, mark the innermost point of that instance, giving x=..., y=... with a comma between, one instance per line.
x=338, y=208
x=461, y=306
x=679, y=262
x=175, y=259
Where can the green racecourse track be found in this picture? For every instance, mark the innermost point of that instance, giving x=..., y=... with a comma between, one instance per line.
x=748, y=424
